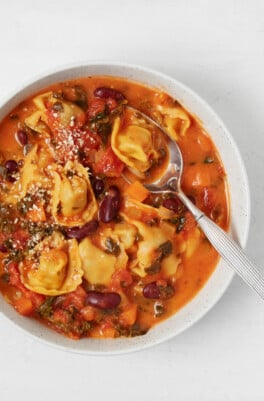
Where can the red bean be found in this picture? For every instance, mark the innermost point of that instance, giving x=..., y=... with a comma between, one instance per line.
x=82, y=232
x=106, y=93
x=21, y=137
x=103, y=300
x=3, y=248
x=151, y=291
x=98, y=186
x=110, y=205
x=174, y=204
x=11, y=166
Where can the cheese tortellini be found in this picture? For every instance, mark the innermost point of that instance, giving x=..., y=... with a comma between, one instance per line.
x=73, y=200
x=58, y=269
x=63, y=111
x=133, y=145
x=33, y=172
x=175, y=120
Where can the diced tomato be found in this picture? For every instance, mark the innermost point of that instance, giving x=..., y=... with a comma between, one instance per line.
x=76, y=298
x=96, y=106
x=36, y=299
x=86, y=140
x=20, y=237
x=37, y=214
x=61, y=316
x=109, y=164
x=15, y=280
x=111, y=103
x=120, y=279
x=14, y=276
x=24, y=306
x=88, y=313
x=70, y=142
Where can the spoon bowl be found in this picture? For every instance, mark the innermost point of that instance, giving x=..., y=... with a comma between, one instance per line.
x=170, y=182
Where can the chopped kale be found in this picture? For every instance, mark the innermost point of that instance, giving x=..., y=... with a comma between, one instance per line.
x=46, y=310
x=178, y=221
x=112, y=247
x=166, y=248
x=154, y=267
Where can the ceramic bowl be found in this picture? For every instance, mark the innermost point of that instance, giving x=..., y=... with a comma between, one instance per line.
x=239, y=209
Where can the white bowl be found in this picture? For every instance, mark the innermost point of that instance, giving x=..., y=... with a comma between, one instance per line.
x=239, y=201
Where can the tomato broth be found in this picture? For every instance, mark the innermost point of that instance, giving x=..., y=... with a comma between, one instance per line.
x=81, y=249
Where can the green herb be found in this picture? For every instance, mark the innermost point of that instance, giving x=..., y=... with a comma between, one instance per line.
x=104, y=131
x=138, y=237
x=5, y=277
x=3, y=172
x=158, y=309
x=25, y=203
x=56, y=95
x=166, y=248
x=81, y=98
x=178, y=221
x=132, y=331
x=57, y=107
x=154, y=267
x=153, y=222
x=70, y=173
x=112, y=247
x=46, y=310
x=166, y=292
x=14, y=116
x=81, y=154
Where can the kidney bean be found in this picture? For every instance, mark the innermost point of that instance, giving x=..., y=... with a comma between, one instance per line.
x=103, y=300
x=98, y=186
x=106, y=93
x=3, y=248
x=151, y=290
x=174, y=204
x=110, y=205
x=11, y=166
x=21, y=137
x=81, y=232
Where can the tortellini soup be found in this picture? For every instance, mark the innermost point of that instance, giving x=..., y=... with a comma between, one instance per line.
x=82, y=249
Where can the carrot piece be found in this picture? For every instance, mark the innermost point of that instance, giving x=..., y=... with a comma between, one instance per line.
x=23, y=306
x=88, y=313
x=129, y=315
x=137, y=191
x=197, y=175
x=37, y=214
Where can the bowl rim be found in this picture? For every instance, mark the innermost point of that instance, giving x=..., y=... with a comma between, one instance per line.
x=46, y=74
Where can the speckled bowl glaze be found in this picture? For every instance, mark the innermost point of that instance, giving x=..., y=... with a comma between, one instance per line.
x=239, y=201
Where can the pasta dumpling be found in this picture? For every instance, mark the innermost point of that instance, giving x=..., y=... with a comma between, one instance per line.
x=33, y=172
x=58, y=269
x=133, y=145
x=175, y=120
x=73, y=200
x=98, y=266
x=64, y=112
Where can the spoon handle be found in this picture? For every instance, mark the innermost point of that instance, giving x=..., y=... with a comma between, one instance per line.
x=230, y=251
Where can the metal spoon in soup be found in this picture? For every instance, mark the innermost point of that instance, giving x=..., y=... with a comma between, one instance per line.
x=170, y=182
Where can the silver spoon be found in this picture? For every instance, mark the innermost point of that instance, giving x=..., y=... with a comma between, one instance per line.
x=230, y=251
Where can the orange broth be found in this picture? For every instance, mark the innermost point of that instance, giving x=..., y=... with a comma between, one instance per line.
x=204, y=181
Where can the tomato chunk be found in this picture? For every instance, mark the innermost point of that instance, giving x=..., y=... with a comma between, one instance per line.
x=109, y=164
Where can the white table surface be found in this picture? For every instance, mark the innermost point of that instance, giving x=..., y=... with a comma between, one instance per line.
x=217, y=48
